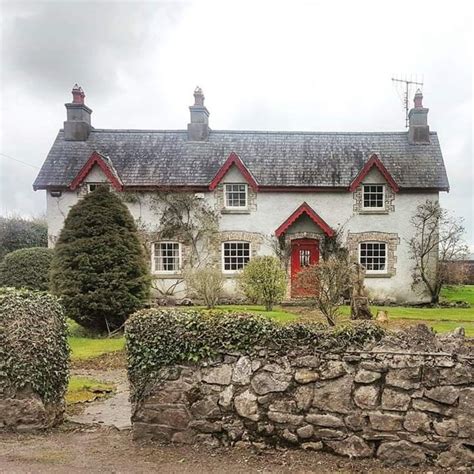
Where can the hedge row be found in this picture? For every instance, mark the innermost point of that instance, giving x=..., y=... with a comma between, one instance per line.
x=159, y=338
x=27, y=268
x=34, y=350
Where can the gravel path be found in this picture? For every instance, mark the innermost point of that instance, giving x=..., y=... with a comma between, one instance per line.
x=113, y=411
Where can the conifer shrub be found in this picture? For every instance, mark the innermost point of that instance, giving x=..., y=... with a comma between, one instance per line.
x=99, y=268
x=157, y=339
x=26, y=268
x=263, y=280
x=34, y=351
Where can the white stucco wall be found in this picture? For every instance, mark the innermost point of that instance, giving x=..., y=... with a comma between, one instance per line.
x=273, y=208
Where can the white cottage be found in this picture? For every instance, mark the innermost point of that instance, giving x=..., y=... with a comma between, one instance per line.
x=295, y=187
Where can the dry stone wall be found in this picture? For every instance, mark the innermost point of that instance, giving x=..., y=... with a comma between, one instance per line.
x=402, y=407
x=25, y=411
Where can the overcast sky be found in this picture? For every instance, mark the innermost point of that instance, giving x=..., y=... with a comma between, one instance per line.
x=292, y=65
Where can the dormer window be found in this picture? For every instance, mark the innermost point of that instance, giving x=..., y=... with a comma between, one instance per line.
x=93, y=186
x=373, y=197
x=235, y=196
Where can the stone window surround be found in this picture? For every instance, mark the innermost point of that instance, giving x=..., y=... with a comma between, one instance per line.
x=389, y=197
x=391, y=239
x=219, y=197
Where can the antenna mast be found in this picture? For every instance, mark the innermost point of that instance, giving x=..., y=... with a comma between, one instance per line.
x=406, y=93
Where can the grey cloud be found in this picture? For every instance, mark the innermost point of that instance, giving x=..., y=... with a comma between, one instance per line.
x=49, y=46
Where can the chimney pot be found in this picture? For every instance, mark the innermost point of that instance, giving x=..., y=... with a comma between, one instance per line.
x=418, y=100
x=198, y=97
x=78, y=95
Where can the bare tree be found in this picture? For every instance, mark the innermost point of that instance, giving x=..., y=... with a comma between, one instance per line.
x=438, y=239
x=329, y=280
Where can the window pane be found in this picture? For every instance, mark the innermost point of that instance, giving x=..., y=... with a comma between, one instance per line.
x=236, y=255
x=166, y=256
x=373, y=195
x=235, y=195
x=373, y=256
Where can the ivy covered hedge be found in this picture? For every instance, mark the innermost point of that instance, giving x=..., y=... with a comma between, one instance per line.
x=159, y=338
x=34, y=350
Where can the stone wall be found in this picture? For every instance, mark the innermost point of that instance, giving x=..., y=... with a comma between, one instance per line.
x=402, y=407
x=25, y=411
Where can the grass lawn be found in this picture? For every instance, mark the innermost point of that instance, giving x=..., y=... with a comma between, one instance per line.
x=87, y=348
x=440, y=319
x=278, y=313
x=84, y=389
x=85, y=345
x=459, y=293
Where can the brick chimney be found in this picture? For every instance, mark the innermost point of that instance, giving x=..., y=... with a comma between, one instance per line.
x=418, y=129
x=78, y=124
x=198, y=129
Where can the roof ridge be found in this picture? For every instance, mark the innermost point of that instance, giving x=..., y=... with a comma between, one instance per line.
x=252, y=132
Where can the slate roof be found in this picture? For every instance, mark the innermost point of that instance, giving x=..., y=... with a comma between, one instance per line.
x=299, y=159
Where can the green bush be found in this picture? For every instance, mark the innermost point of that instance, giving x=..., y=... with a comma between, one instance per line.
x=159, y=338
x=26, y=268
x=263, y=280
x=34, y=350
x=18, y=233
x=99, y=267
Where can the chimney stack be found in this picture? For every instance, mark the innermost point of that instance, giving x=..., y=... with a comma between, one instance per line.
x=198, y=129
x=78, y=124
x=418, y=131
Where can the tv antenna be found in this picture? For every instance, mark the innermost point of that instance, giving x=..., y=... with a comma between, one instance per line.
x=406, y=91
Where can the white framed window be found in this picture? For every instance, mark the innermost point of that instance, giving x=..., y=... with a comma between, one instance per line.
x=166, y=257
x=373, y=196
x=235, y=256
x=235, y=196
x=373, y=256
x=93, y=186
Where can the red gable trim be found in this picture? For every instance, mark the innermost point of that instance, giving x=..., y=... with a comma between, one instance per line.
x=374, y=160
x=304, y=209
x=101, y=162
x=233, y=159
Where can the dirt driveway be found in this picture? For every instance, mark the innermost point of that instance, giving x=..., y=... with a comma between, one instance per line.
x=99, y=440
x=108, y=450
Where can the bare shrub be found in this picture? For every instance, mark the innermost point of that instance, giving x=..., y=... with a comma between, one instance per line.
x=206, y=283
x=329, y=280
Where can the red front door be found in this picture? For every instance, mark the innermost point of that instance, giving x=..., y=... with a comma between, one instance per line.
x=304, y=252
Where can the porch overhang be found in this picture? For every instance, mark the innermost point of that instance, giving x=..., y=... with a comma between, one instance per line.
x=306, y=209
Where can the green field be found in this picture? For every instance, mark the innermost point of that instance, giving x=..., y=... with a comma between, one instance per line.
x=459, y=293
